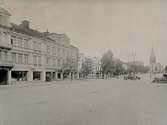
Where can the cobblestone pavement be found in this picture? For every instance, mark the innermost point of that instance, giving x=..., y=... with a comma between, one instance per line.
x=94, y=102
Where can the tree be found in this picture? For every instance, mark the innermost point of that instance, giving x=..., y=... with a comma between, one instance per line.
x=87, y=67
x=69, y=66
x=118, y=67
x=107, y=63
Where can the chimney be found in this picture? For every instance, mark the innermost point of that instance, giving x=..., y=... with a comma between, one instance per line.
x=25, y=24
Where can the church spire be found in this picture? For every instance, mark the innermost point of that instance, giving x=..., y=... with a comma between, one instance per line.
x=152, y=57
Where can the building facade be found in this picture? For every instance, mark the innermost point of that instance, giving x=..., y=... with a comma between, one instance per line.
x=96, y=61
x=80, y=62
x=30, y=55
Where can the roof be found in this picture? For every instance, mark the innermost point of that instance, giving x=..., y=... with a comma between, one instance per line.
x=27, y=31
x=74, y=47
x=5, y=12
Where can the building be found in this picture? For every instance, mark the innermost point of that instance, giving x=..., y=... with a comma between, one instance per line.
x=29, y=55
x=155, y=67
x=96, y=61
x=80, y=63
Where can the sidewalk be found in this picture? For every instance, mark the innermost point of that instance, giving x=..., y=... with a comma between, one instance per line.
x=28, y=84
x=22, y=84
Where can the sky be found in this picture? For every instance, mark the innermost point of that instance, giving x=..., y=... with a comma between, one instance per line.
x=94, y=26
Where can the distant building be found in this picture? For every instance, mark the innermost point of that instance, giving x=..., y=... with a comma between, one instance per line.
x=155, y=67
x=29, y=55
x=80, y=62
x=137, y=63
x=134, y=66
x=96, y=66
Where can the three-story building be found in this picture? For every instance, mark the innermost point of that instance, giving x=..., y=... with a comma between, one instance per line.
x=30, y=55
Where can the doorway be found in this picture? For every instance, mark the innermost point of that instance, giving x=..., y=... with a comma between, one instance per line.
x=3, y=77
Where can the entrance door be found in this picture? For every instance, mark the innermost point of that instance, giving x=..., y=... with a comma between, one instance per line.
x=59, y=75
x=48, y=76
x=3, y=77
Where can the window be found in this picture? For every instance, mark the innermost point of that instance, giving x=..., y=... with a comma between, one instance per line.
x=20, y=58
x=26, y=58
x=11, y=40
x=14, y=57
x=20, y=42
x=53, y=50
x=34, y=45
x=54, y=62
x=35, y=60
x=26, y=44
x=39, y=61
x=63, y=52
x=58, y=63
x=39, y=47
x=58, y=51
x=48, y=50
x=48, y=61
x=6, y=56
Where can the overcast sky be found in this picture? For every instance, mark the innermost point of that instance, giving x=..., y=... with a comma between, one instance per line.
x=96, y=26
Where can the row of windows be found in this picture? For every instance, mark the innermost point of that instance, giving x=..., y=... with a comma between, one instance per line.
x=19, y=42
x=4, y=55
x=14, y=57
x=20, y=58
x=58, y=52
x=37, y=46
x=53, y=62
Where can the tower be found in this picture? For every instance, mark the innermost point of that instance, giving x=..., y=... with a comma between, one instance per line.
x=152, y=62
x=152, y=57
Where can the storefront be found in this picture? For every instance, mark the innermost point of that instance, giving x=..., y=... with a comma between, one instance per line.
x=48, y=76
x=36, y=75
x=19, y=75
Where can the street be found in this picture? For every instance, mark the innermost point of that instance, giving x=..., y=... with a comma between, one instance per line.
x=89, y=102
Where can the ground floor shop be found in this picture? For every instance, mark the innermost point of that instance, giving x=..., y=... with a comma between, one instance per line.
x=12, y=76
x=30, y=75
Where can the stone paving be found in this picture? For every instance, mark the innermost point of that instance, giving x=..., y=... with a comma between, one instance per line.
x=86, y=102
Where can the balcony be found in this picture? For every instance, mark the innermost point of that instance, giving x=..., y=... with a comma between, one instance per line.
x=5, y=46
